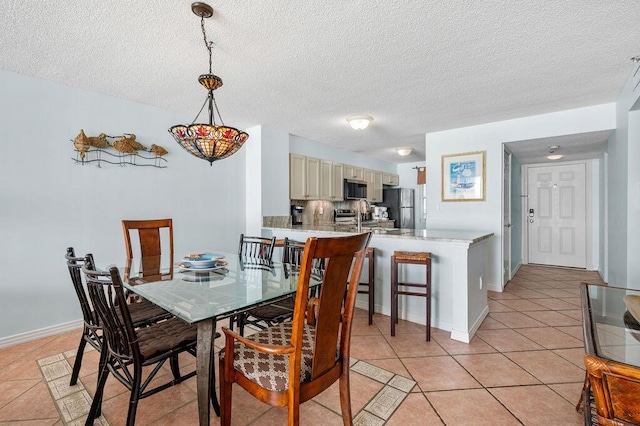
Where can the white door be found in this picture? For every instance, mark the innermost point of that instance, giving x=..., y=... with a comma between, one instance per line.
x=506, y=217
x=556, y=215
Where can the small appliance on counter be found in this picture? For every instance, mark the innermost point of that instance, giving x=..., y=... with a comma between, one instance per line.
x=296, y=214
x=380, y=213
x=344, y=217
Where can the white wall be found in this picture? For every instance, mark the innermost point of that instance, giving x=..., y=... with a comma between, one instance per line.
x=409, y=179
x=486, y=215
x=48, y=203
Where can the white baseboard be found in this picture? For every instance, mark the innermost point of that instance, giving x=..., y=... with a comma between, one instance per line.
x=38, y=334
x=466, y=337
x=495, y=287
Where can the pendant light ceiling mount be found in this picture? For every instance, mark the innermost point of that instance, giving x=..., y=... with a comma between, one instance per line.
x=209, y=141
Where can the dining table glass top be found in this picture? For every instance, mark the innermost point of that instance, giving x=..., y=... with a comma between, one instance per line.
x=232, y=285
x=614, y=329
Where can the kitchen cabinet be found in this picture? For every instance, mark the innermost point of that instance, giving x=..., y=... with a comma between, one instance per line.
x=390, y=179
x=353, y=172
x=304, y=177
x=376, y=197
x=331, y=181
x=374, y=185
x=338, y=181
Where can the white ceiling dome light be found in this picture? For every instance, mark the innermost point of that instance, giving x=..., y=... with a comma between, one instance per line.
x=359, y=122
x=403, y=151
x=553, y=156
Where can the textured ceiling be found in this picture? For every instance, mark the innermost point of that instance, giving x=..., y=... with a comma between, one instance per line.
x=303, y=67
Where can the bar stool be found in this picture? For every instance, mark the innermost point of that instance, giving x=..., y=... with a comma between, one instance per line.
x=370, y=256
x=416, y=258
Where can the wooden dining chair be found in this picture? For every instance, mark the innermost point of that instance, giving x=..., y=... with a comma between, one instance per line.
x=292, y=362
x=143, y=313
x=133, y=355
x=616, y=391
x=149, y=236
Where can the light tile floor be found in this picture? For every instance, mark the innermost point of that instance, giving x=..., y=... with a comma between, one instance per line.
x=523, y=367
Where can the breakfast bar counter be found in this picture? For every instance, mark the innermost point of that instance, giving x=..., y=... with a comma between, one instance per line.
x=459, y=272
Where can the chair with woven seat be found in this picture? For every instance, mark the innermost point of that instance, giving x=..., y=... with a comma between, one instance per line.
x=133, y=353
x=416, y=258
x=616, y=391
x=292, y=362
x=143, y=313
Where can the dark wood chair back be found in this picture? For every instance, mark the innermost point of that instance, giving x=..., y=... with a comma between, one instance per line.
x=110, y=303
x=129, y=349
x=149, y=235
x=332, y=314
x=616, y=390
x=256, y=248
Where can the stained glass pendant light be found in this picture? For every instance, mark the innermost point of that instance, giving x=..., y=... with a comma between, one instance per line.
x=209, y=141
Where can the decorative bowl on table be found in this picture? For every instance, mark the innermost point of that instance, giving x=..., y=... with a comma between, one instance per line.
x=201, y=261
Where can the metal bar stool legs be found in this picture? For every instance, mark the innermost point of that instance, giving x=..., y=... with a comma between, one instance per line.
x=416, y=258
x=370, y=255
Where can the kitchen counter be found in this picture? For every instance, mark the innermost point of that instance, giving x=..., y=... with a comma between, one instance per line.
x=460, y=262
x=443, y=235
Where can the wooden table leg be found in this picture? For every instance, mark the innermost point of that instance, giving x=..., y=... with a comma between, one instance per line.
x=206, y=375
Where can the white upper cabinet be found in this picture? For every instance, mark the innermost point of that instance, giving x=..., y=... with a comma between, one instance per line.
x=304, y=177
x=353, y=172
x=338, y=181
x=390, y=179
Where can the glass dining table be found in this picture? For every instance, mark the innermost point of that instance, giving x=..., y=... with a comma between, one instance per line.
x=611, y=322
x=204, y=296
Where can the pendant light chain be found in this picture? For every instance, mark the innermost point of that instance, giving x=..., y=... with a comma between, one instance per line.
x=208, y=44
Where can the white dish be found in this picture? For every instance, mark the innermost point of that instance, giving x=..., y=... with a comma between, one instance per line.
x=202, y=260
x=184, y=267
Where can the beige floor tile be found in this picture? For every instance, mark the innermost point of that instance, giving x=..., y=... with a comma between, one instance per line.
x=393, y=365
x=11, y=390
x=555, y=304
x=525, y=293
x=537, y=405
x=523, y=305
x=547, y=366
x=575, y=356
x=550, y=338
x=569, y=391
x=554, y=318
x=493, y=370
x=311, y=414
x=576, y=314
x=370, y=347
x=556, y=292
x=361, y=326
x=34, y=403
x=490, y=323
x=494, y=295
x=415, y=410
x=403, y=327
x=471, y=406
x=454, y=347
x=414, y=345
x=515, y=319
x=439, y=373
x=573, y=331
x=362, y=390
x=506, y=340
x=497, y=306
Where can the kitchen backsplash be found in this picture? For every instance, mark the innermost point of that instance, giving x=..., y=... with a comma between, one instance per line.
x=318, y=212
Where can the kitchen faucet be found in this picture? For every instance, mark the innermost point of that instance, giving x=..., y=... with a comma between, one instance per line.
x=360, y=213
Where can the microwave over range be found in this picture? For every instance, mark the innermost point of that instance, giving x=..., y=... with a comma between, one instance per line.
x=354, y=189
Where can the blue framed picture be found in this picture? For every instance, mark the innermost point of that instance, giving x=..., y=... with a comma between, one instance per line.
x=463, y=176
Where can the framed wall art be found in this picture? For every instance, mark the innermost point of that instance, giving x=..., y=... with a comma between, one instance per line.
x=463, y=176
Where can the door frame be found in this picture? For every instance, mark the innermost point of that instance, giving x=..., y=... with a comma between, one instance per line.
x=506, y=212
x=588, y=207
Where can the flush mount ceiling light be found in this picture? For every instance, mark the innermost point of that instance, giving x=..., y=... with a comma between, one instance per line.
x=403, y=151
x=359, y=122
x=552, y=150
x=210, y=141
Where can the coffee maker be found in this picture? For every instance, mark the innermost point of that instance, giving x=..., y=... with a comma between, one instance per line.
x=296, y=214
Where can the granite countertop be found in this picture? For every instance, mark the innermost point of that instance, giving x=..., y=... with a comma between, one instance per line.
x=470, y=237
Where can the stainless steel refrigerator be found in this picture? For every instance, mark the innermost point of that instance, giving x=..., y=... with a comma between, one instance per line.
x=399, y=204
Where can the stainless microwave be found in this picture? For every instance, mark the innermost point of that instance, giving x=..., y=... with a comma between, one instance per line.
x=354, y=189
